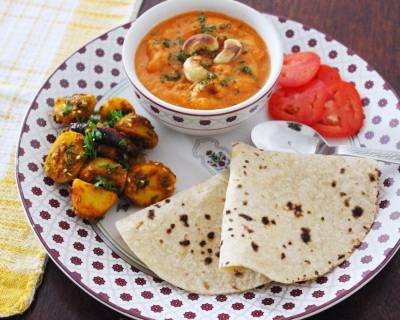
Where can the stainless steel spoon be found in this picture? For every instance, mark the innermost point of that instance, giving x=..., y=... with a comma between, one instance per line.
x=295, y=137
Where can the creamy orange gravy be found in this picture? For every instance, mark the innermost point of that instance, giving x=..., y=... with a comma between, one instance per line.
x=159, y=62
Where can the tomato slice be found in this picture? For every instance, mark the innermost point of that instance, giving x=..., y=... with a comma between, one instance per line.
x=298, y=69
x=303, y=104
x=328, y=75
x=343, y=114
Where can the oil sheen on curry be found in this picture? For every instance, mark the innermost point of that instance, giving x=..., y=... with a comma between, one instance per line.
x=202, y=60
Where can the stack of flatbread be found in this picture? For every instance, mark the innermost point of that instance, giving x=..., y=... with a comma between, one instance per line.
x=274, y=217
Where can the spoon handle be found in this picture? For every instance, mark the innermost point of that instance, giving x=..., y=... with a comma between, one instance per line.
x=382, y=155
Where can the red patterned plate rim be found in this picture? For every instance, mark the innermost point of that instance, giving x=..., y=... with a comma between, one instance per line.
x=342, y=296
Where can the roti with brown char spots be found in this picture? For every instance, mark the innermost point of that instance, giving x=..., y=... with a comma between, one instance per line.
x=179, y=239
x=294, y=217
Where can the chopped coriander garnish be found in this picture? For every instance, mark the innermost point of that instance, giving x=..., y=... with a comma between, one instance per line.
x=224, y=83
x=202, y=19
x=88, y=144
x=97, y=135
x=207, y=29
x=93, y=120
x=67, y=109
x=70, y=149
x=113, y=117
x=211, y=75
x=70, y=157
x=224, y=26
x=182, y=56
x=205, y=64
x=156, y=42
x=248, y=70
x=204, y=83
x=171, y=77
x=104, y=183
x=92, y=134
x=110, y=168
x=166, y=43
x=203, y=27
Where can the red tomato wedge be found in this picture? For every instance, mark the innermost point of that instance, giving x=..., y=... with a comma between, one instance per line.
x=298, y=69
x=343, y=114
x=328, y=75
x=304, y=104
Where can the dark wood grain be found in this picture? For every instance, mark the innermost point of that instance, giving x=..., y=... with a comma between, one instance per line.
x=370, y=28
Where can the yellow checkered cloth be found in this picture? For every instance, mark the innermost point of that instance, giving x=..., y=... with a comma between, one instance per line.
x=36, y=35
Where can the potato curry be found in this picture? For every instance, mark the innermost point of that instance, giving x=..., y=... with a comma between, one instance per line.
x=101, y=155
x=202, y=60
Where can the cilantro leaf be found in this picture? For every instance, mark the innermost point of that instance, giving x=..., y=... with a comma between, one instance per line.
x=171, y=77
x=248, y=70
x=92, y=134
x=104, y=183
x=110, y=167
x=203, y=26
x=182, y=56
x=113, y=117
x=211, y=75
x=67, y=109
x=166, y=43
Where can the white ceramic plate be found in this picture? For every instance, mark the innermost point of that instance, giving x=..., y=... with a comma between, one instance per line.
x=100, y=264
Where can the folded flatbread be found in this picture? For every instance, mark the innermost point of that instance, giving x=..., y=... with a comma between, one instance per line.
x=179, y=239
x=293, y=217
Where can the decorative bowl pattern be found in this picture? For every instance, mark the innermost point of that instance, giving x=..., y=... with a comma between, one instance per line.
x=193, y=124
x=82, y=255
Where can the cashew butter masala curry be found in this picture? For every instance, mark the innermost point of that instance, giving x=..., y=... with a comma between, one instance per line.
x=202, y=60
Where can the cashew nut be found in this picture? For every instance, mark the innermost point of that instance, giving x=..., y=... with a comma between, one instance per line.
x=193, y=70
x=197, y=87
x=232, y=49
x=200, y=41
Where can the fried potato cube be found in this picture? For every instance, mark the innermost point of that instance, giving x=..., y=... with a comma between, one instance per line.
x=139, y=129
x=115, y=104
x=89, y=202
x=66, y=157
x=106, y=168
x=149, y=183
x=78, y=107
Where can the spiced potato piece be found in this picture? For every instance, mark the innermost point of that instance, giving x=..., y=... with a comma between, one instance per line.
x=75, y=108
x=106, y=168
x=149, y=183
x=89, y=202
x=139, y=129
x=115, y=104
x=66, y=157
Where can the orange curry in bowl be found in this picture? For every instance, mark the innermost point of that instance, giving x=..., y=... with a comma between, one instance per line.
x=202, y=60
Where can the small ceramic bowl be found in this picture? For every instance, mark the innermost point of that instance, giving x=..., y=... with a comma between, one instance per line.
x=192, y=121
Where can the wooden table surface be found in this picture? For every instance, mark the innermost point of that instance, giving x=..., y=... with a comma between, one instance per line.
x=370, y=28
